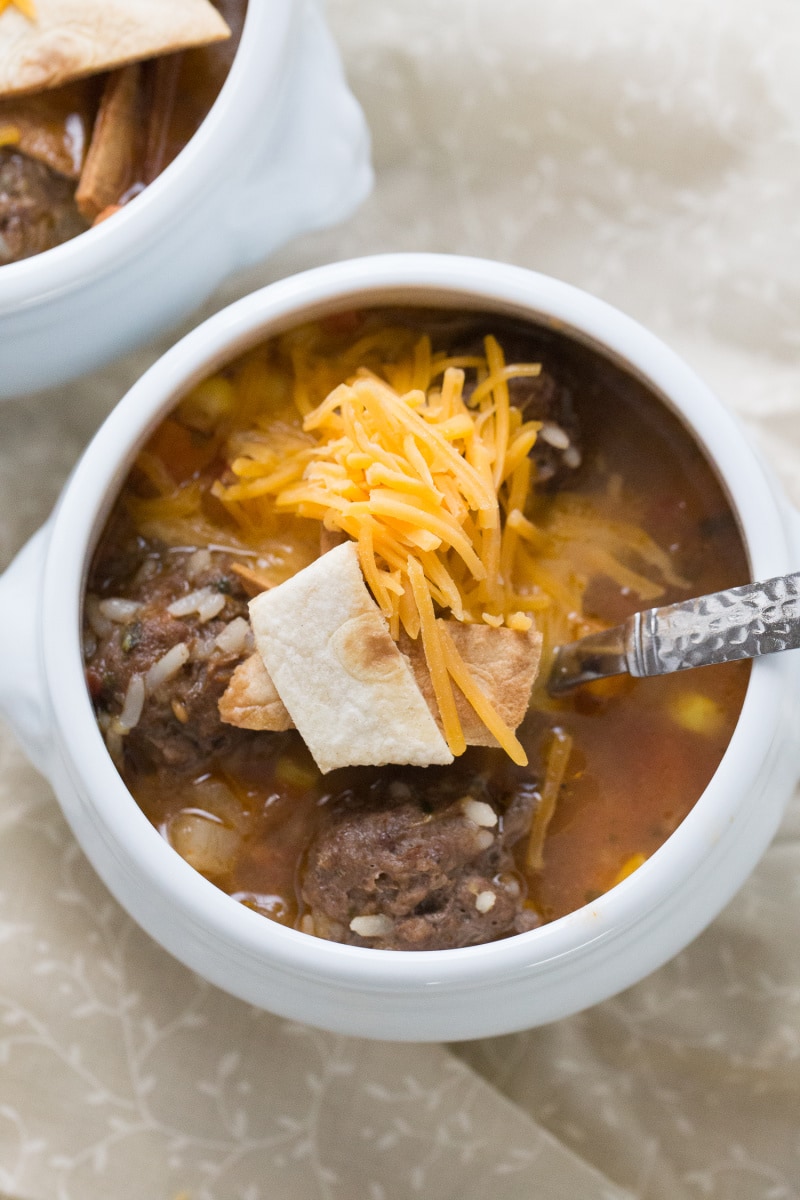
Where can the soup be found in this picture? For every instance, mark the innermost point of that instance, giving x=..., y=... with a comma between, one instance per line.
x=605, y=505
x=73, y=155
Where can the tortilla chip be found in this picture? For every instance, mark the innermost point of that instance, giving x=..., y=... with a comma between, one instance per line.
x=254, y=580
x=345, y=684
x=73, y=38
x=503, y=663
x=110, y=162
x=250, y=700
x=55, y=127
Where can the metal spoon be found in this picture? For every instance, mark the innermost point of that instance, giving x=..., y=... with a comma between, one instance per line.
x=742, y=622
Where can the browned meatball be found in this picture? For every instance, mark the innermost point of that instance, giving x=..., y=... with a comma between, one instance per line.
x=180, y=724
x=37, y=208
x=429, y=855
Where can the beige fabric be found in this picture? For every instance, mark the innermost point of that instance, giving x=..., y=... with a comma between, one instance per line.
x=72, y=38
x=651, y=153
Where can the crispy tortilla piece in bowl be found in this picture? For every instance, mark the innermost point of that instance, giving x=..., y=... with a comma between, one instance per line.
x=69, y=39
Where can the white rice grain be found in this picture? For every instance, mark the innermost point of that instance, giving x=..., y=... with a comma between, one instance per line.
x=554, y=435
x=484, y=901
x=120, y=611
x=133, y=705
x=197, y=563
x=101, y=626
x=166, y=666
x=479, y=812
x=147, y=570
x=206, y=602
x=114, y=745
x=372, y=927
x=202, y=649
x=234, y=638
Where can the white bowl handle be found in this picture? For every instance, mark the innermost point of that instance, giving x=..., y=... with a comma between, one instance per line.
x=315, y=170
x=22, y=692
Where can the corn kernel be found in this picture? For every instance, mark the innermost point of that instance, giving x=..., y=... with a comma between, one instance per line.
x=294, y=774
x=628, y=867
x=9, y=135
x=697, y=713
x=207, y=403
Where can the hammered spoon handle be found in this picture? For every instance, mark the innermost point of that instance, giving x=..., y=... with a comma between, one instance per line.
x=741, y=622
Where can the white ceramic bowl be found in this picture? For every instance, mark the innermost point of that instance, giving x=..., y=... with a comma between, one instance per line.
x=284, y=150
x=522, y=981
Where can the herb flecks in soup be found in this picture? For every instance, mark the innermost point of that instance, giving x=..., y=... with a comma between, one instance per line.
x=588, y=501
x=86, y=123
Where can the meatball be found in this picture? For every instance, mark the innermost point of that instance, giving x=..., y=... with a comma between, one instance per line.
x=421, y=861
x=179, y=725
x=37, y=208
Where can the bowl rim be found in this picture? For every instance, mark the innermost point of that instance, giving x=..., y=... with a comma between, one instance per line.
x=135, y=845
x=261, y=55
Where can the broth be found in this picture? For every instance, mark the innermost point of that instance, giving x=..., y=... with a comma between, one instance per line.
x=248, y=809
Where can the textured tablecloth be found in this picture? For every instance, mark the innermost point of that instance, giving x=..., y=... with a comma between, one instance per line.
x=650, y=153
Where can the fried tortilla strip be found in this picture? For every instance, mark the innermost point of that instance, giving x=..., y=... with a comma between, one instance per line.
x=55, y=127
x=109, y=166
x=255, y=581
x=74, y=38
x=250, y=700
x=503, y=663
x=345, y=684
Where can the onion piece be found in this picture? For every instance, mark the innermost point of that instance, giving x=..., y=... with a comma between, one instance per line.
x=204, y=842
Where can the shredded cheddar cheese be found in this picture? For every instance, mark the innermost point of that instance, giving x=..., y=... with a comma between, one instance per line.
x=419, y=479
x=424, y=462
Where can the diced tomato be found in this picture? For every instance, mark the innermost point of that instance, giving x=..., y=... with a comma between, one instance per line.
x=183, y=451
x=342, y=323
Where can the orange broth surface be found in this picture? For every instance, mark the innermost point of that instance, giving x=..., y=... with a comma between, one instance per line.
x=642, y=750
